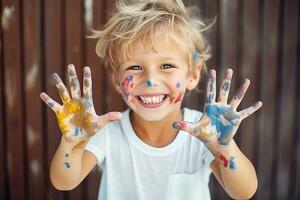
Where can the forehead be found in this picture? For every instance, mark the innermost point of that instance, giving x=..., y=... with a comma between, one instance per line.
x=161, y=44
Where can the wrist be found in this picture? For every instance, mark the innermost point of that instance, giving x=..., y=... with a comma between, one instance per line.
x=71, y=145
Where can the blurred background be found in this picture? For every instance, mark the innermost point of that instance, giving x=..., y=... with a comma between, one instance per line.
x=259, y=39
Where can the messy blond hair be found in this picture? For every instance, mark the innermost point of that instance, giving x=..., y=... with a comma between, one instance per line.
x=135, y=20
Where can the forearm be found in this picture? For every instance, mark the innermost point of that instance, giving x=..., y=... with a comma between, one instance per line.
x=238, y=176
x=66, y=166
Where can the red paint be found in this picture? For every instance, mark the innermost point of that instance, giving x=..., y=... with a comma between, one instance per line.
x=178, y=99
x=182, y=124
x=223, y=160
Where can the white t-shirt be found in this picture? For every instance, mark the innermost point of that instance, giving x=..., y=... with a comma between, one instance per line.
x=134, y=170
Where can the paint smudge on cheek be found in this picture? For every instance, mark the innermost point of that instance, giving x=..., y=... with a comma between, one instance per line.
x=126, y=86
x=177, y=85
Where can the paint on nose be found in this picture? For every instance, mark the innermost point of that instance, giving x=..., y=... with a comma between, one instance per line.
x=149, y=83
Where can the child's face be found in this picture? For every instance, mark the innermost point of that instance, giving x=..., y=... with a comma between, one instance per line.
x=153, y=82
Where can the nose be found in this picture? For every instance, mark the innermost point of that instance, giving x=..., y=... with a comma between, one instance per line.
x=151, y=79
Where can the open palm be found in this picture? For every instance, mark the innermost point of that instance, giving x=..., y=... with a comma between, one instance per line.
x=77, y=118
x=220, y=120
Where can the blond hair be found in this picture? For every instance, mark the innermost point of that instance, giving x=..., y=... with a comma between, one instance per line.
x=135, y=20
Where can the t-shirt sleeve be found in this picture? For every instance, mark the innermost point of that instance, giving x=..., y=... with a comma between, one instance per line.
x=208, y=157
x=96, y=146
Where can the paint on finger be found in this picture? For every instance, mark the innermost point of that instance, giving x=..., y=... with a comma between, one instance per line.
x=179, y=125
x=226, y=86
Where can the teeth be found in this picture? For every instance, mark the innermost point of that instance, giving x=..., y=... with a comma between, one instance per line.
x=152, y=100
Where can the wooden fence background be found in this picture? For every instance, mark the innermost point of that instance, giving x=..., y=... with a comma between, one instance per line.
x=259, y=39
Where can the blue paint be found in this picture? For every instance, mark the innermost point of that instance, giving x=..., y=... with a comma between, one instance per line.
x=215, y=113
x=149, y=83
x=196, y=130
x=130, y=78
x=195, y=55
x=210, y=97
x=226, y=86
x=67, y=165
x=88, y=104
x=232, y=164
x=77, y=131
x=178, y=85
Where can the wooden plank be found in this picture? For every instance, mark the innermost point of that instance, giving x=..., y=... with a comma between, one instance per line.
x=94, y=17
x=14, y=117
x=268, y=96
x=73, y=54
x=34, y=133
x=53, y=62
x=3, y=163
x=113, y=99
x=288, y=83
x=296, y=191
x=249, y=69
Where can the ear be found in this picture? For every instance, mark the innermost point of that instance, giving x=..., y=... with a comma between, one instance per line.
x=116, y=82
x=194, y=77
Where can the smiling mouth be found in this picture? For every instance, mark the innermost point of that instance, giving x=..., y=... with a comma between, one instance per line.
x=151, y=100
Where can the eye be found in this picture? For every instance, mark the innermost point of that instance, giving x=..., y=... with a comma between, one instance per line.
x=167, y=66
x=134, y=67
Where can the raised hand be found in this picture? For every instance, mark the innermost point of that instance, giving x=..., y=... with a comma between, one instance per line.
x=77, y=118
x=220, y=120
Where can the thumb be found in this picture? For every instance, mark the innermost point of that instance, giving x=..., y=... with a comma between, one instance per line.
x=103, y=120
x=185, y=126
x=110, y=116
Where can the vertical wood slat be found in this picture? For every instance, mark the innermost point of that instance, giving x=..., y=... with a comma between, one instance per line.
x=295, y=192
x=32, y=63
x=288, y=83
x=248, y=69
x=53, y=62
x=268, y=91
x=113, y=99
x=3, y=164
x=14, y=117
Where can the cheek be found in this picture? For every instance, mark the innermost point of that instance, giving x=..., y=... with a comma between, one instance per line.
x=127, y=85
x=177, y=86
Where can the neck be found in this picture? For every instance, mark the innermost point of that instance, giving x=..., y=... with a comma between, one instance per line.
x=156, y=133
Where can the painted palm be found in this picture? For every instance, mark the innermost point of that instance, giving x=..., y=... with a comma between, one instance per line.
x=77, y=118
x=220, y=120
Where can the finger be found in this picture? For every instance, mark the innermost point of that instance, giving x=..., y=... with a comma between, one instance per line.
x=50, y=102
x=184, y=126
x=236, y=100
x=224, y=91
x=211, y=87
x=107, y=118
x=87, y=82
x=61, y=88
x=249, y=111
x=74, y=83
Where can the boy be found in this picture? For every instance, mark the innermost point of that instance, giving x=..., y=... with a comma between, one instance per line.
x=154, y=150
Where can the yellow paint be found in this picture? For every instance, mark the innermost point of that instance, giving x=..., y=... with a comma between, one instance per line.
x=71, y=108
x=80, y=145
